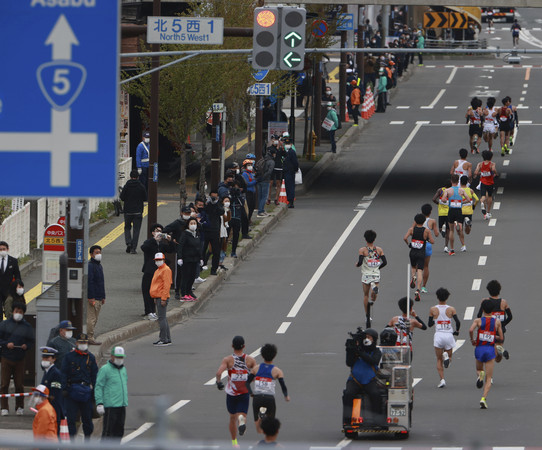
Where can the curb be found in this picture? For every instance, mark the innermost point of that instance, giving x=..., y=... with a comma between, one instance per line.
x=183, y=311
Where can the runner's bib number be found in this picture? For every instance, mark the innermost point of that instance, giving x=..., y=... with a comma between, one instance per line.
x=487, y=337
x=498, y=315
x=455, y=203
x=239, y=376
x=444, y=325
x=418, y=245
x=373, y=262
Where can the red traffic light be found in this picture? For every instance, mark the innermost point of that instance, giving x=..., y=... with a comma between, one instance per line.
x=266, y=18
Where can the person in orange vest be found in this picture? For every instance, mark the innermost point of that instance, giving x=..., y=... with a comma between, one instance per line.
x=355, y=99
x=160, y=287
x=44, y=426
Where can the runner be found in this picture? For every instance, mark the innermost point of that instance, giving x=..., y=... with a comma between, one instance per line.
x=371, y=260
x=443, y=214
x=468, y=205
x=443, y=341
x=455, y=196
x=487, y=171
x=474, y=118
x=419, y=235
x=461, y=166
x=500, y=311
x=505, y=125
x=490, y=122
x=431, y=225
x=405, y=324
x=488, y=332
x=490, y=14
x=514, y=121
x=237, y=397
x=263, y=395
x=515, y=29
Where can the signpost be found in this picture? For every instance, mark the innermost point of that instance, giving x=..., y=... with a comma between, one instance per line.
x=185, y=30
x=345, y=22
x=260, y=89
x=53, y=247
x=319, y=28
x=59, y=99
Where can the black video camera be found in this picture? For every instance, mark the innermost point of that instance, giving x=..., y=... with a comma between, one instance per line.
x=354, y=346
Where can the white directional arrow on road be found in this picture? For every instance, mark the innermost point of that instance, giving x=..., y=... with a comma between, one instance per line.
x=61, y=38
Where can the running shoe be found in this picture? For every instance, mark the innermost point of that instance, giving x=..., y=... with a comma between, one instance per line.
x=446, y=249
x=161, y=343
x=262, y=412
x=370, y=302
x=417, y=295
x=480, y=379
x=193, y=297
x=464, y=248
x=424, y=290
x=511, y=141
x=199, y=280
x=443, y=230
x=242, y=425
x=446, y=360
x=451, y=252
x=19, y=412
x=442, y=383
x=467, y=222
x=507, y=151
x=186, y=298
x=413, y=283
x=152, y=316
x=483, y=403
x=506, y=354
x=488, y=215
x=502, y=151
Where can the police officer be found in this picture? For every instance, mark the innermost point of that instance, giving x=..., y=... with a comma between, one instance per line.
x=79, y=371
x=142, y=159
x=64, y=342
x=52, y=379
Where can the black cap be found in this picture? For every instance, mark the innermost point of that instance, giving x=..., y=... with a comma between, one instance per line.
x=82, y=338
x=146, y=134
x=238, y=342
x=186, y=209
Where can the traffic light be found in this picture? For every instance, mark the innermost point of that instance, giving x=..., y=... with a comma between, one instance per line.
x=292, y=38
x=265, y=38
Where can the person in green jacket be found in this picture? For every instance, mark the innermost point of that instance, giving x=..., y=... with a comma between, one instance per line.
x=420, y=43
x=332, y=115
x=381, y=91
x=111, y=394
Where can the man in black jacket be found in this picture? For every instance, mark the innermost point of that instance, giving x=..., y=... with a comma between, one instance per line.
x=214, y=210
x=9, y=271
x=16, y=337
x=175, y=230
x=133, y=195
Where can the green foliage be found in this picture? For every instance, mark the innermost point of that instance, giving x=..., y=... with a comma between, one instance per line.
x=5, y=209
x=103, y=211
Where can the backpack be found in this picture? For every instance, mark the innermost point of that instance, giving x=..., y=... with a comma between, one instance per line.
x=259, y=167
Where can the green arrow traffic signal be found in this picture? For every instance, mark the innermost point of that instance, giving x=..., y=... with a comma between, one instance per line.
x=291, y=58
x=291, y=39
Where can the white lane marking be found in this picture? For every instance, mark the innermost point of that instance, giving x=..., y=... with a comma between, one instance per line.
x=497, y=205
x=468, y=66
x=500, y=190
x=506, y=162
x=526, y=85
x=503, y=175
x=469, y=312
x=406, y=107
x=344, y=443
x=476, y=284
x=525, y=122
x=447, y=122
x=522, y=99
x=334, y=250
x=148, y=425
x=397, y=122
x=492, y=222
x=487, y=240
x=224, y=374
x=452, y=75
x=450, y=107
x=449, y=66
x=283, y=327
x=423, y=122
x=434, y=67
x=508, y=448
x=482, y=260
x=435, y=101
x=523, y=92
x=521, y=106
x=458, y=345
x=415, y=381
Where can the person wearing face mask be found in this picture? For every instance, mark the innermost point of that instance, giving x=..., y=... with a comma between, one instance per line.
x=95, y=291
x=188, y=258
x=276, y=177
x=9, y=271
x=111, y=394
x=16, y=337
x=332, y=115
x=64, y=342
x=79, y=371
x=142, y=159
x=44, y=426
x=175, y=230
x=225, y=185
x=225, y=220
x=250, y=180
x=237, y=209
x=363, y=357
x=160, y=286
x=133, y=195
x=52, y=379
x=214, y=210
x=289, y=169
x=16, y=295
x=264, y=177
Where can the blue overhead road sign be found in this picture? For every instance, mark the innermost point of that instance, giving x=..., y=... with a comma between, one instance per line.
x=59, y=97
x=345, y=22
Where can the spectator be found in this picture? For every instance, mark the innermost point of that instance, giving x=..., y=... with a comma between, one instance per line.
x=201, y=216
x=79, y=370
x=214, y=210
x=156, y=244
x=15, y=295
x=237, y=206
x=133, y=195
x=328, y=96
x=95, y=291
x=224, y=230
x=142, y=160
x=160, y=286
x=420, y=44
x=289, y=169
x=355, y=99
x=333, y=116
x=52, y=379
x=188, y=258
x=250, y=179
x=64, y=343
x=16, y=337
x=9, y=271
x=224, y=186
x=44, y=426
x=111, y=394
x=175, y=229
x=264, y=178
x=276, y=177
x=381, y=91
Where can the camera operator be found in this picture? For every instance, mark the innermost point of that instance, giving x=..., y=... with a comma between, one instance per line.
x=363, y=357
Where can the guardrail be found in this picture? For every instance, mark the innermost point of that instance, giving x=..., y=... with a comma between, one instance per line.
x=454, y=43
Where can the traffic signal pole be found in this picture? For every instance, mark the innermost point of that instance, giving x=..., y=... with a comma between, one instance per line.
x=215, y=151
x=342, y=79
x=258, y=144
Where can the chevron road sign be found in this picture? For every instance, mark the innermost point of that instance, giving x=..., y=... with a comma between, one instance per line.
x=435, y=20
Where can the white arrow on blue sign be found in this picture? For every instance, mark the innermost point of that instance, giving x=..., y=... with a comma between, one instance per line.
x=260, y=74
x=345, y=22
x=59, y=98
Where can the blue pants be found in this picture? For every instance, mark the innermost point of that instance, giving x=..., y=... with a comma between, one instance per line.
x=85, y=408
x=144, y=177
x=332, y=139
x=263, y=192
x=289, y=184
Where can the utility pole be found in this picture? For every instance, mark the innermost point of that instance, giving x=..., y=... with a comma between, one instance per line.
x=259, y=128
x=318, y=101
x=342, y=79
x=361, y=44
x=215, y=151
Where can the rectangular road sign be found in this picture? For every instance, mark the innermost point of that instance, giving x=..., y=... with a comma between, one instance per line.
x=185, y=30
x=260, y=89
x=59, y=100
x=345, y=22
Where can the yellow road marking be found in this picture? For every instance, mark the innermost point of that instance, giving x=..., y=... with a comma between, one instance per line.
x=334, y=75
x=103, y=242
x=527, y=74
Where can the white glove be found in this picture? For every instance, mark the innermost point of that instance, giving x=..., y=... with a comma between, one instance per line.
x=180, y=262
x=100, y=409
x=201, y=262
x=139, y=170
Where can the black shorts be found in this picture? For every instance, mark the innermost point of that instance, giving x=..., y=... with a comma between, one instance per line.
x=276, y=175
x=486, y=189
x=442, y=220
x=455, y=215
x=475, y=129
x=417, y=258
x=267, y=401
x=504, y=126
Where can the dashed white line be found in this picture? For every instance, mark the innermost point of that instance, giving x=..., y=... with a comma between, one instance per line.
x=430, y=67
x=476, y=284
x=525, y=122
x=522, y=99
x=523, y=92
x=344, y=443
x=447, y=122
x=423, y=122
x=492, y=222
x=468, y=66
x=526, y=85
x=435, y=101
x=283, y=327
x=506, y=162
x=503, y=176
x=469, y=312
x=397, y=122
x=482, y=260
x=487, y=240
x=451, y=77
x=497, y=205
x=500, y=190
x=415, y=381
x=408, y=107
x=177, y=406
x=458, y=345
x=450, y=107
x=521, y=106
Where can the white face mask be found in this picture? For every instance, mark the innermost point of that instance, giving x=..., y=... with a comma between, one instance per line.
x=20, y=291
x=35, y=400
x=17, y=317
x=275, y=142
x=157, y=235
x=82, y=347
x=249, y=168
x=45, y=364
x=146, y=140
x=185, y=217
x=367, y=342
x=160, y=262
x=69, y=334
x=237, y=171
x=193, y=227
x=98, y=257
x=3, y=253
x=226, y=204
x=288, y=146
x=118, y=362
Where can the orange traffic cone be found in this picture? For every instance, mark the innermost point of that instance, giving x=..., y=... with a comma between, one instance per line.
x=346, y=116
x=64, y=431
x=282, y=196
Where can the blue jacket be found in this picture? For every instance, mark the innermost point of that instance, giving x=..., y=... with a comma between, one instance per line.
x=96, y=282
x=365, y=367
x=19, y=333
x=251, y=181
x=78, y=367
x=141, y=154
x=53, y=380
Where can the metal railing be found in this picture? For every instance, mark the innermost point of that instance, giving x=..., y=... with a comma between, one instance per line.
x=455, y=43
